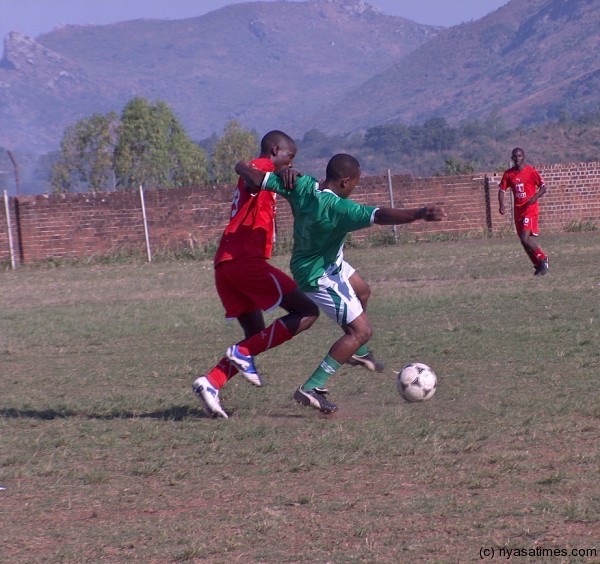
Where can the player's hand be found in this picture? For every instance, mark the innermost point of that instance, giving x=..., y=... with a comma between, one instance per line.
x=502, y=210
x=251, y=188
x=289, y=176
x=432, y=213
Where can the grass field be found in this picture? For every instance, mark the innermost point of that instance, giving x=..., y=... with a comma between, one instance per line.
x=107, y=456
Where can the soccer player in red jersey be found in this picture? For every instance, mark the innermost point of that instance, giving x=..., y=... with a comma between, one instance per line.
x=248, y=284
x=527, y=187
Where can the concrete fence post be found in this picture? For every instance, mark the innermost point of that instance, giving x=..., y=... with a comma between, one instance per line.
x=146, y=233
x=11, y=246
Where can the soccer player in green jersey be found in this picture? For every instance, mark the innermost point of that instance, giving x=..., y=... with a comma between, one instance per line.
x=323, y=217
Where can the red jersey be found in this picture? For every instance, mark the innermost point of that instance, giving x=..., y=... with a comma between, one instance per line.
x=250, y=230
x=524, y=184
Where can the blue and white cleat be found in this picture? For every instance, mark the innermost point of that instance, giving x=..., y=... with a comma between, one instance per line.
x=245, y=364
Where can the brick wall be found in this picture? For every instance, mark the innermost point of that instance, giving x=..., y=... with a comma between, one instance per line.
x=463, y=197
x=573, y=194
x=83, y=225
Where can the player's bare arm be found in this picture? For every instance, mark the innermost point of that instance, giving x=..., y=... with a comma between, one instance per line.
x=254, y=177
x=251, y=175
x=502, y=207
x=541, y=191
x=395, y=216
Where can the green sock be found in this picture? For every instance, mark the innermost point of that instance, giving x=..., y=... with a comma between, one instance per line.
x=362, y=351
x=326, y=369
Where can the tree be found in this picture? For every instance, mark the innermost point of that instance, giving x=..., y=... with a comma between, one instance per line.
x=154, y=150
x=315, y=145
x=237, y=144
x=436, y=135
x=87, y=155
x=389, y=139
x=146, y=146
x=456, y=167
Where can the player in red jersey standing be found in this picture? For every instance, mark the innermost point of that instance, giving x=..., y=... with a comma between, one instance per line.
x=527, y=187
x=249, y=285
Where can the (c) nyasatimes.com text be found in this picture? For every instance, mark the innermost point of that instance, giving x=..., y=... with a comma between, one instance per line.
x=491, y=552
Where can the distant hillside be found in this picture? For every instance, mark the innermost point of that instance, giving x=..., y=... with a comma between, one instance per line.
x=265, y=64
x=527, y=62
x=331, y=67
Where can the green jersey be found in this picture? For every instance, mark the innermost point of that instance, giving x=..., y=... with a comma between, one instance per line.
x=322, y=220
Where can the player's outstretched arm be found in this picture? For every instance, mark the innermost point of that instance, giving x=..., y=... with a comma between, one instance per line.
x=251, y=175
x=254, y=178
x=395, y=216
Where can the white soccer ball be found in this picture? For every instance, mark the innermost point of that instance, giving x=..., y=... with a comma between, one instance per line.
x=416, y=382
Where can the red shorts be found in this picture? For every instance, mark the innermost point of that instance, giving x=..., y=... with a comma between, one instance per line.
x=527, y=222
x=246, y=285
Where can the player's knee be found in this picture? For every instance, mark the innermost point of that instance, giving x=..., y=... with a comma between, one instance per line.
x=365, y=294
x=309, y=319
x=309, y=313
x=363, y=333
x=311, y=310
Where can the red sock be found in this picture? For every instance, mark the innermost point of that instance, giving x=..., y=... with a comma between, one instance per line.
x=269, y=338
x=534, y=260
x=540, y=255
x=222, y=372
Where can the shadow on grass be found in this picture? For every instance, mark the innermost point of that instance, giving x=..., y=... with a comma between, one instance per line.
x=175, y=413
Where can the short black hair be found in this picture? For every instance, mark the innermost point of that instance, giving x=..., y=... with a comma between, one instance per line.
x=342, y=165
x=273, y=139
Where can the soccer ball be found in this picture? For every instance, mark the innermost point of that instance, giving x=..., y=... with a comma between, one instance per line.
x=416, y=382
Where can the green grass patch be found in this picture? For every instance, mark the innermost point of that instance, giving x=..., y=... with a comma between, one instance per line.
x=106, y=454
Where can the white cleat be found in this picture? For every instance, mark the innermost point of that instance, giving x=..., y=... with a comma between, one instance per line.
x=209, y=396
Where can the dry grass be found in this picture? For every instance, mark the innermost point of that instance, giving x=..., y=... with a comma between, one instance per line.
x=106, y=456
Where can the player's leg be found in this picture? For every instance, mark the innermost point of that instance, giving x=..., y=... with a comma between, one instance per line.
x=530, y=252
x=229, y=278
x=363, y=356
x=274, y=289
x=360, y=286
x=238, y=284
x=523, y=232
x=527, y=234
x=314, y=391
x=252, y=322
x=238, y=306
x=356, y=334
x=338, y=300
x=302, y=311
x=207, y=386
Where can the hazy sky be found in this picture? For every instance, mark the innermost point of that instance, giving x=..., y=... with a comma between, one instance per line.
x=34, y=17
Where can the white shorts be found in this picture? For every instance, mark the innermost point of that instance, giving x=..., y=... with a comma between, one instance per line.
x=336, y=297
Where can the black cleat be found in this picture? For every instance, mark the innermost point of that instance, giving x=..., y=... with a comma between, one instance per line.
x=542, y=268
x=315, y=398
x=368, y=361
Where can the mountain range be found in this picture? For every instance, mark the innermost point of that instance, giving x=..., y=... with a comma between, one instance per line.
x=264, y=64
x=527, y=62
x=335, y=65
